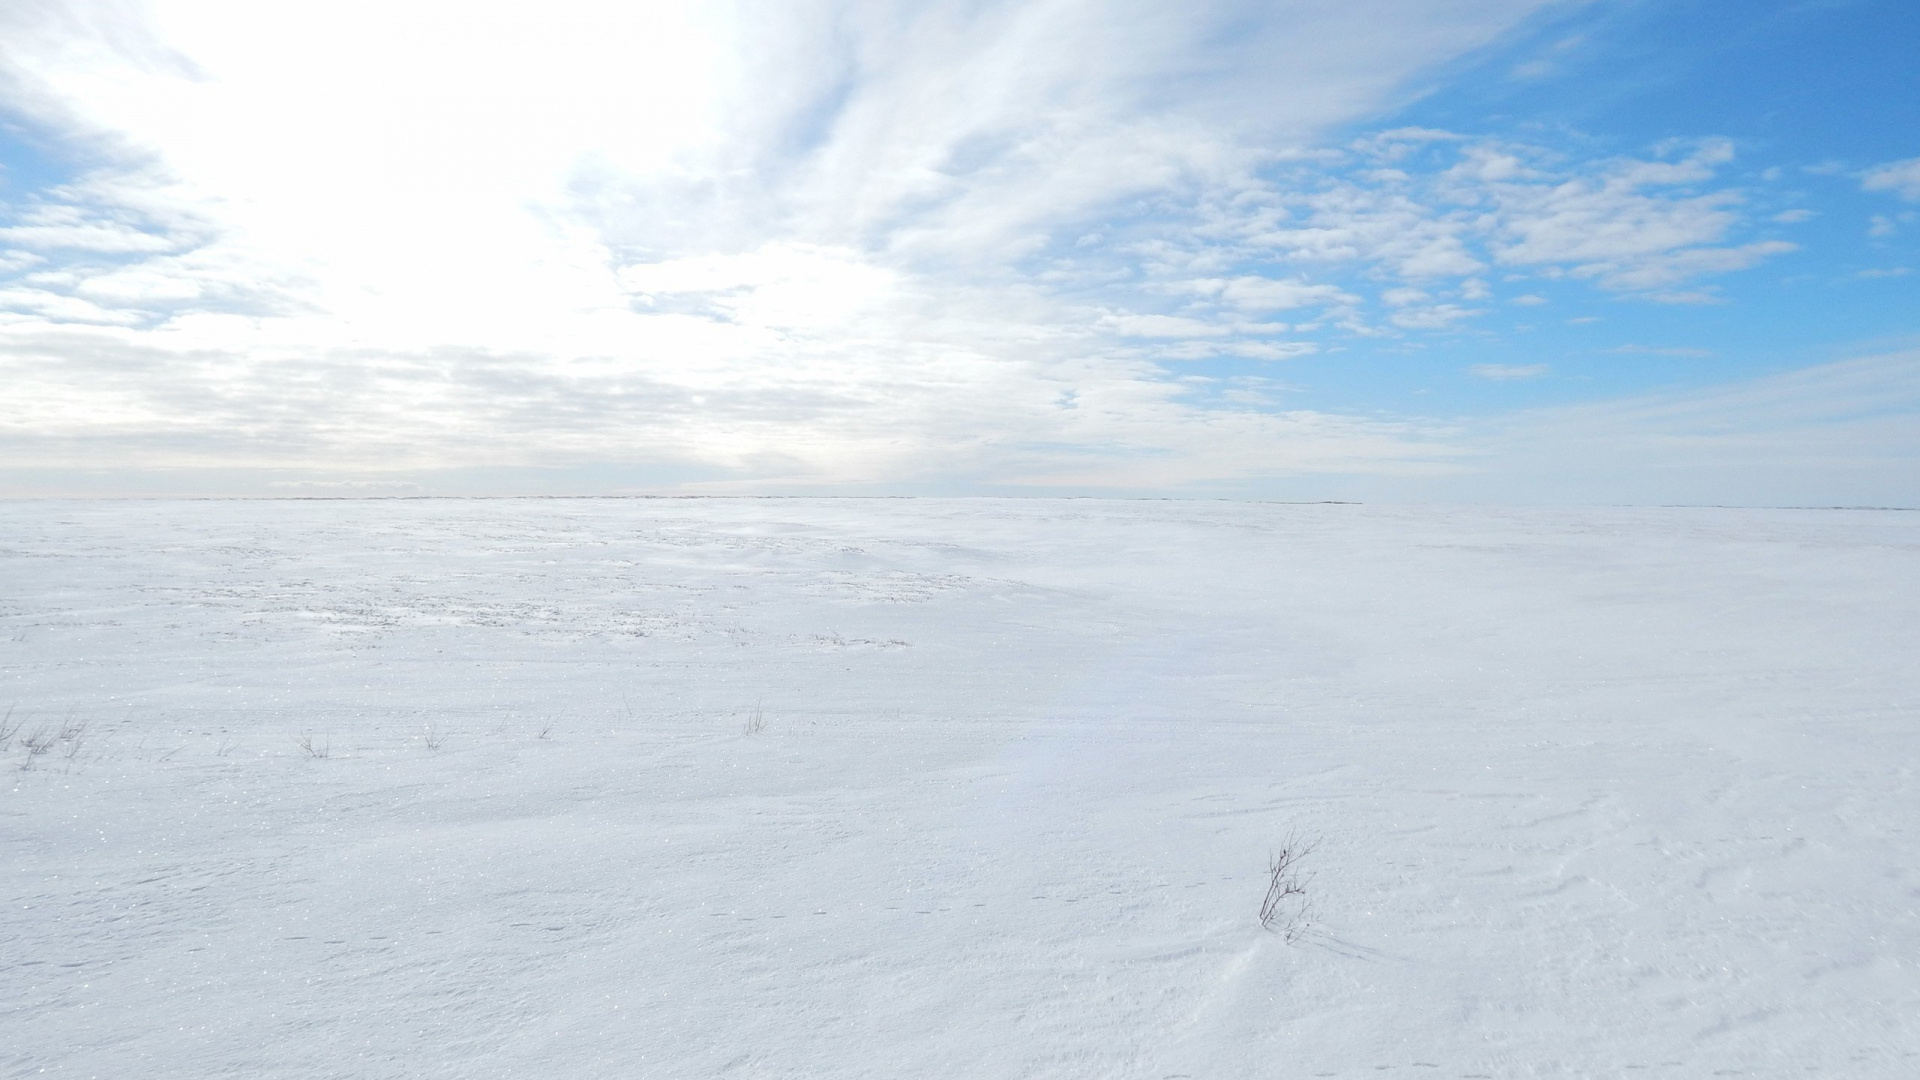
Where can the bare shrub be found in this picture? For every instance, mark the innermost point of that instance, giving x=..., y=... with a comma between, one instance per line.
x=312, y=749
x=432, y=737
x=545, y=732
x=72, y=736
x=1284, y=911
x=42, y=740
x=756, y=722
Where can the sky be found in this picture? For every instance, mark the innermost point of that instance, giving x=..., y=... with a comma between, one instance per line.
x=1516, y=251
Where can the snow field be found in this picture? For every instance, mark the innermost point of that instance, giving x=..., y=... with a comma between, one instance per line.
x=1598, y=793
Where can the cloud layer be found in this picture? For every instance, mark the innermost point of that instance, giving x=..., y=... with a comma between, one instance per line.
x=828, y=243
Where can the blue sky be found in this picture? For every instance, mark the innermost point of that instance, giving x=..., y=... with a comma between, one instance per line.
x=1808, y=94
x=1511, y=250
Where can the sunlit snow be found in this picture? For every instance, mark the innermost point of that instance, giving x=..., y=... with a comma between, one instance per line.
x=971, y=788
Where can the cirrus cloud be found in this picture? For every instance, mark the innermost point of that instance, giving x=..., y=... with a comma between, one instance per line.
x=1899, y=177
x=828, y=242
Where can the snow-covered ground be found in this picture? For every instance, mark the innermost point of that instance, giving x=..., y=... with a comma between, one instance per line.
x=1597, y=793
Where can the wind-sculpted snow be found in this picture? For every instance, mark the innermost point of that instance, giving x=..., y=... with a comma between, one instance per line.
x=851, y=788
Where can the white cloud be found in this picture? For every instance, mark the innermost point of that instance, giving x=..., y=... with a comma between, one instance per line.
x=91, y=236
x=1836, y=434
x=1434, y=317
x=1545, y=66
x=1266, y=294
x=1450, y=207
x=1900, y=177
x=1371, y=221
x=817, y=242
x=32, y=305
x=1163, y=326
x=346, y=487
x=789, y=241
x=779, y=285
x=1686, y=296
x=1657, y=350
x=1272, y=350
x=1507, y=372
x=1659, y=269
x=1395, y=144
x=1623, y=229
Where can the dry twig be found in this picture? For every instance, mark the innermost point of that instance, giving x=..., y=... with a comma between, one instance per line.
x=1280, y=911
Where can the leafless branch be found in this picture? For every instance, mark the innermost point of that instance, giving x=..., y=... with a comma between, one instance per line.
x=1285, y=908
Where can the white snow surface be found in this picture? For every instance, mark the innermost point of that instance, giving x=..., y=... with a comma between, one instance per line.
x=1602, y=793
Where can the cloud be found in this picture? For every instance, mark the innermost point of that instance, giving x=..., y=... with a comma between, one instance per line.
x=1845, y=433
x=1257, y=294
x=1450, y=207
x=1434, y=317
x=1163, y=326
x=1899, y=177
x=1507, y=372
x=815, y=242
x=1655, y=270
x=1546, y=66
x=1653, y=350
x=1686, y=296
x=1621, y=227
x=66, y=232
x=1272, y=350
x=1367, y=220
x=828, y=242
x=780, y=285
x=347, y=487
